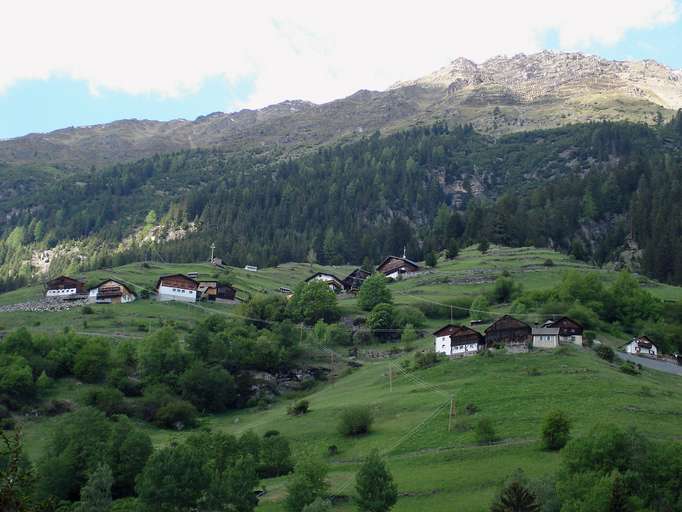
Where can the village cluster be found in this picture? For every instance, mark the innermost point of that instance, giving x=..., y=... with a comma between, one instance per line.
x=451, y=340
x=179, y=287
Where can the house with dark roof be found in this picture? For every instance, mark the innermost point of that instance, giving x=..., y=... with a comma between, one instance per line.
x=510, y=333
x=335, y=284
x=353, y=281
x=177, y=287
x=395, y=267
x=110, y=292
x=641, y=346
x=65, y=287
x=457, y=340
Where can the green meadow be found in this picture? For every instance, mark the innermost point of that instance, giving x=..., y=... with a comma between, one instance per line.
x=435, y=459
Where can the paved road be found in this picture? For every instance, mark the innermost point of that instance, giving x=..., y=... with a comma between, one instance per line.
x=662, y=366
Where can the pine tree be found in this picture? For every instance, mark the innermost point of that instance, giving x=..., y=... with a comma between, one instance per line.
x=516, y=498
x=376, y=490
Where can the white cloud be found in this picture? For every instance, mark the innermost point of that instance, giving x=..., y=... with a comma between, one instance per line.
x=316, y=50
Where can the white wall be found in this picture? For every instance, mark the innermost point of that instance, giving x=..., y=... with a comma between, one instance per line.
x=61, y=293
x=469, y=349
x=545, y=341
x=443, y=345
x=631, y=348
x=170, y=293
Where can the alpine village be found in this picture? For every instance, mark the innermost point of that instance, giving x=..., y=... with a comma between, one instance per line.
x=461, y=293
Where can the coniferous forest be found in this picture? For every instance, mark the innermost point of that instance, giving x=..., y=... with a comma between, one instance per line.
x=597, y=191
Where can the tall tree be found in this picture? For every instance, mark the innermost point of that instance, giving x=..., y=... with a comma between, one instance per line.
x=376, y=490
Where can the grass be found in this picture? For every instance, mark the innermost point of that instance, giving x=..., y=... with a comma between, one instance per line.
x=435, y=469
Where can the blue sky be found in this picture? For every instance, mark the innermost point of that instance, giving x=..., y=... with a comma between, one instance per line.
x=82, y=62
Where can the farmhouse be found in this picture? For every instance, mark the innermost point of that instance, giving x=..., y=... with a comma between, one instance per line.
x=395, y=267
x=545, y=337
x=177, y=287
x=214, y=291
x=510, y=333
x=641, y=346
x=65, y=287
x=353, y=281
x=457, y=340
x=335, y=284
x=110, y=292
x=570, y=331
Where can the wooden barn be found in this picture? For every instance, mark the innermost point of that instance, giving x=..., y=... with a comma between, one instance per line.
x=177, y=287
x=458, y=340
x=65, y=287
x=570, y=331
x=215, y=291
x=110, y=292
x=395, y=267
x=353, y=281
x=335, y=284
x=509, y=332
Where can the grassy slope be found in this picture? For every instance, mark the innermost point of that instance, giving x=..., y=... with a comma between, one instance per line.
x=435, y=468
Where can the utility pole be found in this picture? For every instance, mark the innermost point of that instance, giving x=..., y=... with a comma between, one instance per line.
x=453, y=412
x=390, y=378
x=450, y=314
x=212, y=249
x=332, y=369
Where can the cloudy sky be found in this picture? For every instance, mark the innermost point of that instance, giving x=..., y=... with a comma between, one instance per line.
x=78, y=62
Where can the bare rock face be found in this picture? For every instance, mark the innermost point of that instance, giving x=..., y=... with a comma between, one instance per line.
x=531, y=77
x=501, y=95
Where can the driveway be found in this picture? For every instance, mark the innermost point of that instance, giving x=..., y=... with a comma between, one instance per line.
x=654, y=364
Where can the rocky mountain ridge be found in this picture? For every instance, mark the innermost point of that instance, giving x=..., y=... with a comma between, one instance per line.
x=501, y=95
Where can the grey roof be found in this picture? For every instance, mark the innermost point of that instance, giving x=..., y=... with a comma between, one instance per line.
x=545, y=331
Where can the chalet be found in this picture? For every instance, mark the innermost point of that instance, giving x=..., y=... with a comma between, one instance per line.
x=353, y=281
x=545, y=337
x=335, y=284
x=570, y=331
x=641, y=346
x=458, y=340
x=177, y=287
x=395, y=267
x=510, y=333
x=214, y=291
x=110, y=292
x=65, y=287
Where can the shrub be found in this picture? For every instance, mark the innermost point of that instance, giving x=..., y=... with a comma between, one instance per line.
x=485, y=431
x=629, y=368
x=356, y=421
x=299, y=408
x=409, y=315
x=108, y=400
x=479, y=308
x=483, y=246
x=332, y=450
x=338, y=335
x=87, y=310
x=505, y=290
x=471, y=409
x=382, y=320
x=555, y=431
x=588, y=338
x=605, y=352
x=431, y=259
x=374, y=291
x=548, y=262
x=176, y=414
x=426, y=359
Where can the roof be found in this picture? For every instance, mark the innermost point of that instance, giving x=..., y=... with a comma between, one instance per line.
x=455, y=331
x=158, y=282
x=359, y=271
x=112, y=281
x=545, y=331
x=447, y=330
x=65, y=278
x=507, y=322
x=399, y=262
x=552, y=323
x=642, y=341
x=322, y=274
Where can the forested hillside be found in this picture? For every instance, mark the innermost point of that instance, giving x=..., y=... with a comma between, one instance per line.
x=591, y=190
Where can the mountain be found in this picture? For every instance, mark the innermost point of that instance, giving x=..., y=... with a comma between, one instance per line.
x=501, y=95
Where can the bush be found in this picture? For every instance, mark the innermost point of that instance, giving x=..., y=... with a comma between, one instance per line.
x=548, y=262
x=555, y=431
x=505, y=290
x=299, y=408
x=479, y=308
x=177, y=414
x=108, y=400
x=431, y=259
x=605, y=352
x=485, y=431
x=87, y=310
x=356, y=421
x=409, y=315
x=471, y=409
x=426, y=359
x=483, y=246
x=338, y=335
x=381, y=320
x=588, y=338
x=374, y=291
x=332, y=450
x=629, y=368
